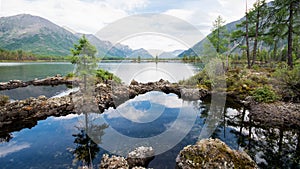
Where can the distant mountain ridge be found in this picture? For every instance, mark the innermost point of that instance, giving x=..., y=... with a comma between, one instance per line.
x=172, y=54
x=199, y=47
x=34, y=34
x=42, y=37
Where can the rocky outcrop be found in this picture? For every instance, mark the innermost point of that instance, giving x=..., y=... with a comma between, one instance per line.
x=137, y=159
x=50, y=81
x=140, y=157
x=278, y=114
x=212, y=153
x=25, y=113
x=113, y=162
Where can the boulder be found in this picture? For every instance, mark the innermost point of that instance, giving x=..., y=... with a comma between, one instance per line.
x=134, y=82
x=212, y=153
x=140, y=156
x=113, y=162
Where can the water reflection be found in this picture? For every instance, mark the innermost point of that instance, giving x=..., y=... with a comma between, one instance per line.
x=34, y=91
x=86, y=147
x=46, y=144
x=269, y=147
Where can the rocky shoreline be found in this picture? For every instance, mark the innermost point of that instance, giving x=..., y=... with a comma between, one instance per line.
x=25, y=113
x=49, y=81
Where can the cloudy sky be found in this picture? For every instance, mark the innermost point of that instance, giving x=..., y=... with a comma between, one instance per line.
x=90, y=16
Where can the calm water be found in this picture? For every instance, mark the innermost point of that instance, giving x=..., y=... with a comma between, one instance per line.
x=142, y=72
x=155, y=119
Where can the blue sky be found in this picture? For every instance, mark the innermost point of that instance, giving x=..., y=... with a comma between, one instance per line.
x=90, y=16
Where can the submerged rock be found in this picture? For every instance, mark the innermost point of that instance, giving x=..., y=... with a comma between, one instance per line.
x=212, y=153
x=141, y=156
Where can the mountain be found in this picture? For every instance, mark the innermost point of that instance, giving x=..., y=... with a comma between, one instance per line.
x=105, y=48
x=172, y=54
x=140, y=52
x=35, y=34
x=199, y=47
x=40, y=36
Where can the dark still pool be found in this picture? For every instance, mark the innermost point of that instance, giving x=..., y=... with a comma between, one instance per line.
x=162, y=121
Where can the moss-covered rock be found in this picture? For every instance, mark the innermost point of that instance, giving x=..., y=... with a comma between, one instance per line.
x=4, y=100
x=212, y=153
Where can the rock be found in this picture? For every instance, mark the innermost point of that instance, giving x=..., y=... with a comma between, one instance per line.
x=105, y=96
x=248, y=101
x=113, y=162
x=244, y=86
x=212, y=153
x=134, y=82
x=276, y=115
x=42, y=97
x=140, y=156
x=15, y=81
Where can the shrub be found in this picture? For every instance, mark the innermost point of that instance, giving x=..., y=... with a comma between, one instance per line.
x=70, y=75
x=289, y=82
x=4, y=100
x=264, y=94
x=104, y=75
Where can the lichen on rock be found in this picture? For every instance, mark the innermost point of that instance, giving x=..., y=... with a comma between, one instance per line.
x=212, y=153
x=113, y=162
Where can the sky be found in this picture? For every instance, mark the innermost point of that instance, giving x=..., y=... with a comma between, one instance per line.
x=90, y=16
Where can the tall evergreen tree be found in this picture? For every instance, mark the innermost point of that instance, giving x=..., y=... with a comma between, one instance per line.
x=219, y=36
x=85, y=59
x=286, y=15
x=257, y=17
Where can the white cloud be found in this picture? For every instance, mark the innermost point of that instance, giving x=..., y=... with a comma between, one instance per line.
x=67, y=117
x=12, y=147
x=157, y=107
x=154, y=42
x=82, y=16
x=89, y=16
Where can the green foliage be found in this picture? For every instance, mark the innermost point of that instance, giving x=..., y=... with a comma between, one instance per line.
x=265, y=94
x=85, y=60
x=104, y=75
x=70, y=75
x=219, y=36
x=139, y=59
x=289, y=81
x=86, y=149
x=21, y=55
x=4, y=100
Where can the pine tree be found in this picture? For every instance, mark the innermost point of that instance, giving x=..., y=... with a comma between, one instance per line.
x=286, y=15
x=219, y=36
x=85, y=60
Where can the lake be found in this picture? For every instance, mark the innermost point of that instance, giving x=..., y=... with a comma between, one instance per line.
x=163, y=121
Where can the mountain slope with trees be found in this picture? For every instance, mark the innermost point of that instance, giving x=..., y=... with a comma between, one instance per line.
x=38, y=36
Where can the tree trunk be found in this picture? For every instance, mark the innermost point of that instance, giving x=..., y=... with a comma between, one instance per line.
x=256, y=36
x=290, y=37
x=218, y=43
x=247, y=42
x=275, y=50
